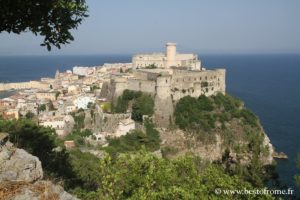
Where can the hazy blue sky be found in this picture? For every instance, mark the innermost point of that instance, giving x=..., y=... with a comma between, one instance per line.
x=202, y=26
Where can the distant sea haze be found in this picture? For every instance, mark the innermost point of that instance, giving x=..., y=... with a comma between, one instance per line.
x=268, y=84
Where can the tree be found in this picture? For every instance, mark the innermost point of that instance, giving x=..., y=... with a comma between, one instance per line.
x=143, y=176
x=143, y=105
x=42, y=107
x=52, y=19
x=29, y=115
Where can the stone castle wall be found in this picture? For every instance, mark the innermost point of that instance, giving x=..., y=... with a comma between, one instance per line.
x=170, y=88
x=24, y=85
x=208, y=82
x=142, y=85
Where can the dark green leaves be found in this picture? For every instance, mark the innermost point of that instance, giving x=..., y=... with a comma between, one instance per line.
x=53, y=19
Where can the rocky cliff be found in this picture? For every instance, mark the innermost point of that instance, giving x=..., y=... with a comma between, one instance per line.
x=21, y=177
x=212, y=126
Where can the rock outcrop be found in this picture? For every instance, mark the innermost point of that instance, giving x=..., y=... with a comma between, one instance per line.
x=21, y=177
x=176, y=143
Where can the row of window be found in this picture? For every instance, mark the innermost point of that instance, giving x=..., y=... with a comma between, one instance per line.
x=199, y=78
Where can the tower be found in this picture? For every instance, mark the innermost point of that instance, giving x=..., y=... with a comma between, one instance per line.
x=163, y=109
x=171, y=54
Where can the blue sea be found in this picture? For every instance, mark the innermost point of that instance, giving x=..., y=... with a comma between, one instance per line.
x=268, y=84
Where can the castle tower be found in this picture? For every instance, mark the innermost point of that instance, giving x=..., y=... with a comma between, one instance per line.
x=163, y=109
x=171, y=54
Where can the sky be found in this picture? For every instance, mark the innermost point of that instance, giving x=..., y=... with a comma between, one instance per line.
x=198, y=26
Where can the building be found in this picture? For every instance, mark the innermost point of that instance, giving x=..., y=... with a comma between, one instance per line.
x=11, y=114
x=167, y=60
x=174, y=77
x=69, y=144
x=46, y=96
x=83, y=71
x=62, y=125
x=82, y=102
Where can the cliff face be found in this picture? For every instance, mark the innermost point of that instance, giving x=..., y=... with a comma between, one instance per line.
x=212, y=126
x=21, y=177
x=177, y=143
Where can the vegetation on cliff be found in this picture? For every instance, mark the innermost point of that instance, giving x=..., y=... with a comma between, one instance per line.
x=194, y=114
x=144, y=176
x=134, y=175
x=239, y=129
x=142, y=104
x=135, y=140
x=130, y=171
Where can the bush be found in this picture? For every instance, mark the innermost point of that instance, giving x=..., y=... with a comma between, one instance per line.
x=143, y=104
x=248, y=117
x=134, y=141
x=144, y=176
x=193, y=114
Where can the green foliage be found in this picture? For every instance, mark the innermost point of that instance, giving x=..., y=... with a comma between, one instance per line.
x=39, y=141
x=95, y=87
x=51, y=19
x=152, y=66
x=122, y=102
x=57, y=94
x=138, y=175
x=29, y=115
x=78, y=136
x=192, y=114
x=75, y=168
x=42, y=107
x=134, y=140
x=144, y=176
x=143, y=104
x=202, y=113
x=90, y=105
x=86, y=168
x=248, y=117
x=106, y=107
x=227, y=102
x=79, y=119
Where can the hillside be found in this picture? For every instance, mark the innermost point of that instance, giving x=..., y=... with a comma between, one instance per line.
x=208, y=126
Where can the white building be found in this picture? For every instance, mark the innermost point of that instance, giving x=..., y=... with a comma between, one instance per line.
x=83, y=101
x=166, y=60
x=62, y=125
x=83, y=71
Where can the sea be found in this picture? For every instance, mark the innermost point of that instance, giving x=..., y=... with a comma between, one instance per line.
x=268, y=84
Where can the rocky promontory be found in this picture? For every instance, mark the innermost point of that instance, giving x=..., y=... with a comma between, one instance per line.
x=21, y=176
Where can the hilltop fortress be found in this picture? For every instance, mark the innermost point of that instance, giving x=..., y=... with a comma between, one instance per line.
x=167, y=77
x=166, y=60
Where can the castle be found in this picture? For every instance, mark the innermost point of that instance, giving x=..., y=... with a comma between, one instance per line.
x=170, y=77
x=166, y=60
